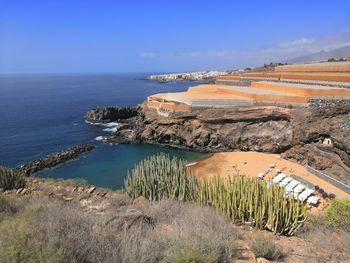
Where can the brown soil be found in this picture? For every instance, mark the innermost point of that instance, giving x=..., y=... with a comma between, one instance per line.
x=252, y=163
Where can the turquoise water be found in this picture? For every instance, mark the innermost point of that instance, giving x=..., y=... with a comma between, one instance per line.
x=107, y=165
x=42, y=114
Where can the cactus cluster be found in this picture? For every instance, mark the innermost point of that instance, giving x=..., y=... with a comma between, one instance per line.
x=246, y=200
x=9, y=179
x=252, y=201
x=159, y=177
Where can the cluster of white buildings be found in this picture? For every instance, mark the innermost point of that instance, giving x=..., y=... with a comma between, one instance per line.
x=191, y=76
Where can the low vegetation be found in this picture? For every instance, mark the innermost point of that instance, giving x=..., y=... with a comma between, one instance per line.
x=243, y=199
x=10, y=179
x=39, y=230
x=329, y=233
x=337, y=215
x=161, y=177
x=264, y=247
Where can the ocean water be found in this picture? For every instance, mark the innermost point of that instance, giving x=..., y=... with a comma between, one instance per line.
x=42, y=114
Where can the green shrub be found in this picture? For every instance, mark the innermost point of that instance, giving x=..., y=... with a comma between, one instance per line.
x=193, y=255
x=264, y=247
x=337, y=215
x=17, y=237
x=9, y=179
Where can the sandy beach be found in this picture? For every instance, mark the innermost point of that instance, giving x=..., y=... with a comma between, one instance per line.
x=253, y=163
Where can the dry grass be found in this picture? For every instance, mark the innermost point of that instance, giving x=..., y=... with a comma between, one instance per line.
x=328, y=244
x=44, y=230
x=264, y=247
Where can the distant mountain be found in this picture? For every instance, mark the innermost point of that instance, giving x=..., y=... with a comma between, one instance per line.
x=323, y=55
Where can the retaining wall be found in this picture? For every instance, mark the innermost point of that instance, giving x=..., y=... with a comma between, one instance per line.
x=329, y=179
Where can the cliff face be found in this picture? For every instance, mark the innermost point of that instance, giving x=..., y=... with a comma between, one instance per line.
x=108, y=114
x=300, y=134
x=266, y=129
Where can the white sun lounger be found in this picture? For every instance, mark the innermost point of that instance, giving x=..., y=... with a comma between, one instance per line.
x=285, y=181
x=299, y=188
x=313, y=200
x=278, y=178
x=305, y=194
x=291, y=185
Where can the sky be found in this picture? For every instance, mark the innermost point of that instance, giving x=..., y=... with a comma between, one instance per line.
x=69, y=36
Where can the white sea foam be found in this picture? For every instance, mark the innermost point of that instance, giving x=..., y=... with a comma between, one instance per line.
x=99, y=138
x=110, y=124
x=110, y=129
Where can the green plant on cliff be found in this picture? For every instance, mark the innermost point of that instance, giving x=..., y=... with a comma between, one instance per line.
x=10, y=179
x=245, y=200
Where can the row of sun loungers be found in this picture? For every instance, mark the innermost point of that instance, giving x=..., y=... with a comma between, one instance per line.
x=296, y=189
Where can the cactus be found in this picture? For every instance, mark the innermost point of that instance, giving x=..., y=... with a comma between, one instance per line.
x=159, y=177
x=245, y=200
x=9, y=179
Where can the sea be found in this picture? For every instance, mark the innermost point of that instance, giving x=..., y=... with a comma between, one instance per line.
x=44, y=113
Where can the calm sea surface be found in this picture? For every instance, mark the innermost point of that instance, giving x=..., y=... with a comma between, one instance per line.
x=41, y=114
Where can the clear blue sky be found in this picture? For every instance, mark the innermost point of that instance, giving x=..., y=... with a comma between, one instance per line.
x=126, y=36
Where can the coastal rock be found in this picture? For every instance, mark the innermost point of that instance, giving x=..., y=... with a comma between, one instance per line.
x=53, y=160
x=266, y=129
x=298, y=134
x=109, y=114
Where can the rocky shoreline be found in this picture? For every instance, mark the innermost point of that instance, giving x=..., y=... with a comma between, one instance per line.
x=54, y=159
x=316, y=136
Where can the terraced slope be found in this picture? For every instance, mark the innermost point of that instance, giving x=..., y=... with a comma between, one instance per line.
x=302, y=89
x=328, y=78
x=316, y=67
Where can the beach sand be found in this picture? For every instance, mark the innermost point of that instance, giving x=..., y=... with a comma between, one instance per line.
x=253, y=163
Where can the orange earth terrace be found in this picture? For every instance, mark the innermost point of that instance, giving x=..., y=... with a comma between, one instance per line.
x=296, y=85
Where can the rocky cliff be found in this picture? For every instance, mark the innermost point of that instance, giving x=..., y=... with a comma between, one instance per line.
x=315, y=136
x=109, y=114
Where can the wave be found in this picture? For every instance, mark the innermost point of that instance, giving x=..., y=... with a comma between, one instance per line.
x=99, y=138
x=114, y=129
x=110, y=124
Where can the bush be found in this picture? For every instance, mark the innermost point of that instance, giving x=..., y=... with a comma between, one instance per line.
x=56, y=231
x=9, y=179
x=337, y=215
x=8, y=205
x=264, y=247
x=331, y=196
x=17, y=238
x=185, y=253
x=196, y=233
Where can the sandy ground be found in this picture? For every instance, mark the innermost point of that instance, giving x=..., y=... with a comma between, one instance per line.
x=253, y=163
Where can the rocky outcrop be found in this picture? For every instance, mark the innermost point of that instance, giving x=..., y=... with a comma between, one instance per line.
x=53, y=160
x=110, y=114
x=266, y=129
x=298, y=134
